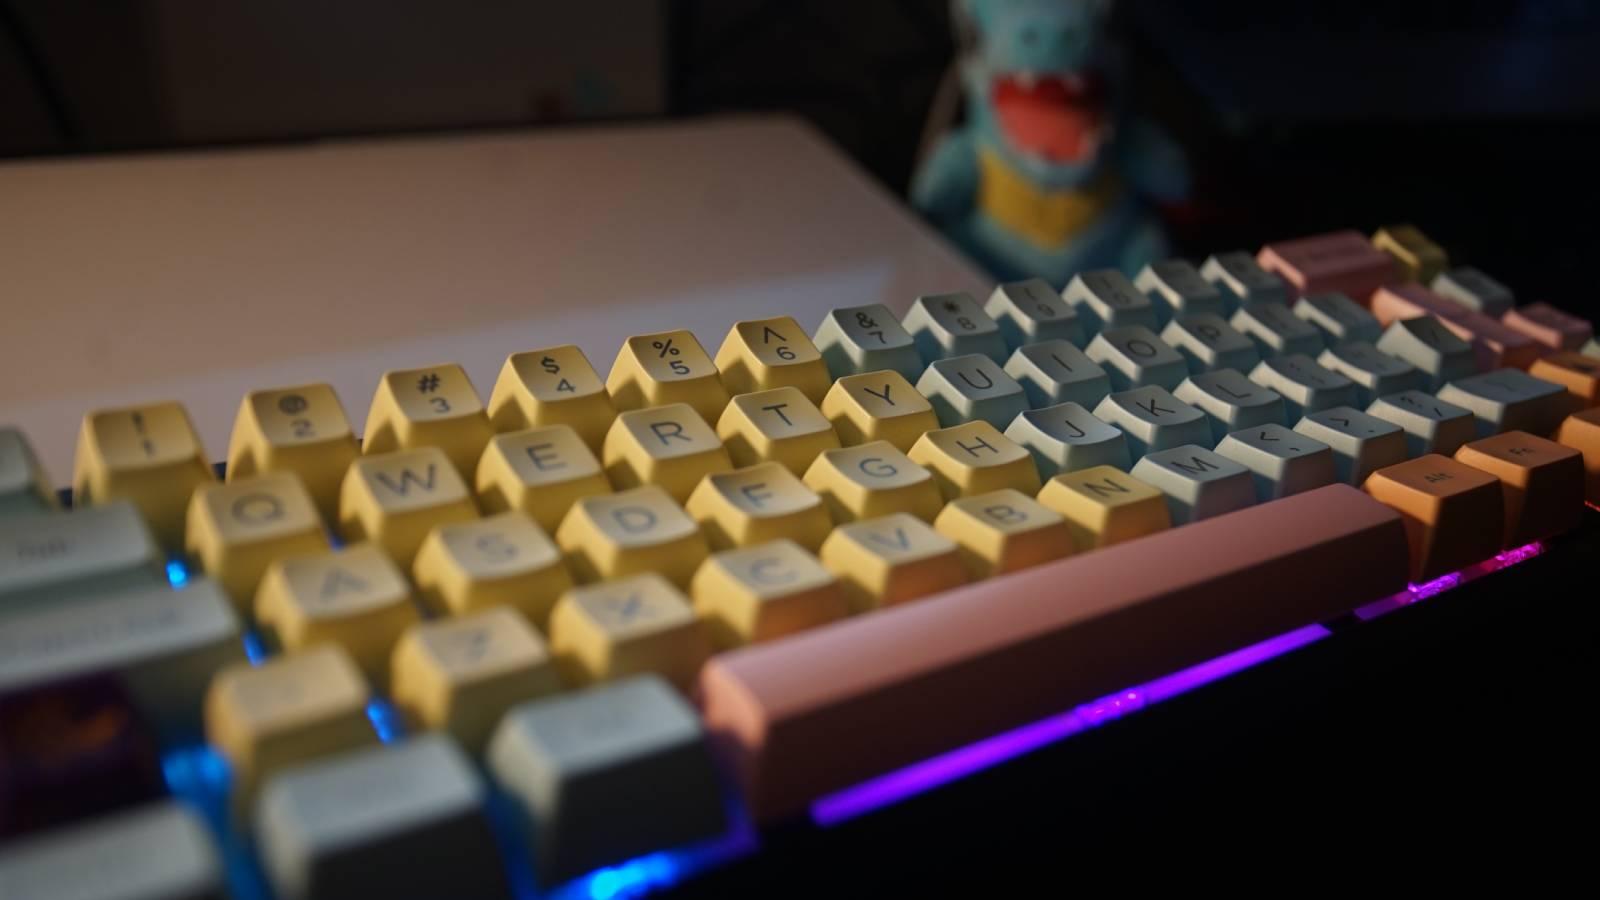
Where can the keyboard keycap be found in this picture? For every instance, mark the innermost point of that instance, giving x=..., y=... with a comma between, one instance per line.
x=671, y=447
x=756, y=505
x=878, y=406
x=1304, y=386
x=630, y=533
x=1276, y=331
x=395, y=499
x=1541, y=483
x=1579, y=374
x=553, y=386
x=539, y=472
x=1474, y=290
x=1493, y=344
x=1431, y=425
x=302, y=430
x=971, y=387
x=873, y=480
x=237, y=529
x=1284, y=463
x=1374, y=373
x=48, y=556
x=402, y=820
x=1549, y=326
x=781, y=426
x=355, y=597
x=1153, y=419
x=1052, y=372
x=1445, y=505
x=432, y=407
x=578, y=764
x=1361, y=444
x=1029, y=312
x=1198, y=484
x=1341, y=261
x=763, y=592
x=1581, y=432
x=1339, y=318
x=1417, y=256
x=890, y=560
x=499, y=560
x=1208, y=344
x=1135, y=357
x=149, y=455
x=1178, y=290
x=856, y=340
x=1432, y=348
x=946, y=326
x=1240, y=274
x=162, y=851
x=24, y=487
x=1230, y=402
x=1508, y=400
x=1105, y=506
x=975, y=458
x=765, y=354
x=1105, y=298
x=1067, y=437
x=992, y=653
x=460, y=675
x=1004, y=531
x=663, y=368
x=630, y=626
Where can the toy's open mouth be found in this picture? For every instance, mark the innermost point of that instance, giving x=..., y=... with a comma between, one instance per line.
x=1056, y=117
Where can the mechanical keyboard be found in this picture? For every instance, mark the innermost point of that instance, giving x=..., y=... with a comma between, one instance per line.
x=604, y=630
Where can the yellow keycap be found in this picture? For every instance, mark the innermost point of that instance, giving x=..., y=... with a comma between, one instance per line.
x=147, y=454
x=872, y=480
x=432, y=407
x=1420, y=259
x=669, y=446
x=892, y=559
x=764, y=354
x=779, y=426
x=629, y=533
x=355, y=597
x=878, y=406
x=540, y=471
x=461, y=675
x=1104, y=505
x=764, y=592
x=553, y=386
x=669, y=367
x=237, y=529
x=975, y=458
x=397, y=498
x=1003, y=531
x=757, y=504
x=287, y=711
x=502, y=560
x=627, y=627
x=295, y=429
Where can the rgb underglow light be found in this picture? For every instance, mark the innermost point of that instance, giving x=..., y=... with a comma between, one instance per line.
x=177, y=572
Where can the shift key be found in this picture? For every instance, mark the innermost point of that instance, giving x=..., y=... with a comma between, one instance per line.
x=52, y=555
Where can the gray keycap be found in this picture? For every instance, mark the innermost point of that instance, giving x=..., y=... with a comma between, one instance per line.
x=1361, y=444
x=1066, y=438
x=1303, y=385
x=24, y=487
x=1153, y=419
x=1209, y=343
x=1431, y=425
x=1105, y=298
x=1031, y=311
x=1374, y=372
x=1474, y=290
x=1199, y=484
x=1276, y=331
x=157, y=852
x=972, y=387
x=1244, y=279
x=1282, y=461
x=1134, y=357
x=47, y=556
x=1178, y=289
x=858, y=339
x=1339, y=318
x=400, y=820
x=1433, y=349
x=1052, y=372
x=608, y=773
x=1592, y=348
x=945, y=326
x=1509, y=400
x=1231, y=401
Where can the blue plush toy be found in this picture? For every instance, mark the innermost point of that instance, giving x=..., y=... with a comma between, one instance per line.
x=1048, y=176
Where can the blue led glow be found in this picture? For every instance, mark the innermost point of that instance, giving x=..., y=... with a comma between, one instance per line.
x=255, y=647
x=177, y=572
x=386, y=720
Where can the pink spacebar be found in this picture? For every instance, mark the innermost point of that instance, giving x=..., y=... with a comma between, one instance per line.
x=819, y=711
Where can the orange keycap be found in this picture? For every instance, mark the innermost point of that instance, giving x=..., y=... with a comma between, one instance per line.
x=1549, y=326
x=1451, y=511
x=1342, y=261
x=1581, y=432
x=1579, y=374
x=1494, y=345
x=1541, y=482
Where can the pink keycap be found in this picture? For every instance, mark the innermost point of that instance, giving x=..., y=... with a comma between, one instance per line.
x=826, y=709
x=1549, y=326
x=1495, y=345
x=1341, y=261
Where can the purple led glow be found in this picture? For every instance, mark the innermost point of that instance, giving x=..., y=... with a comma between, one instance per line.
x=1416, y=592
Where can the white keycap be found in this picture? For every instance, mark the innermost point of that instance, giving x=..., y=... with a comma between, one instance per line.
x=1509, y=400
x=1474, y=290
x=1178, y=290
x=945, y=326
x=157, y=852
x=1052, y=372
x=24, y=486
x=1231, y=401
x=608, y=773
x=1105, y=298
x=1339, y=318
x=1282, y=461
x=857, y=339
x=45, y=557
x=395, y=820
x=1431, y=425
x=1592, y=348
x=1031, y=311
x=1134, y=357
x=1361, y=444
x=971, y=387
x=1374, y=372
x=1244, y=278
x=1066, y=438
x=1209, y=343
x=1153, y=419
x=1433, y=349
x=1198, y=483
x=1276, y=331
x=1303, y=385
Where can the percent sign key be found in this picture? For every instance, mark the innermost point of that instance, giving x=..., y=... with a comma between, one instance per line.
x=666, y=348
